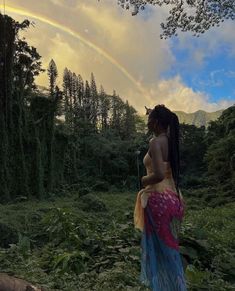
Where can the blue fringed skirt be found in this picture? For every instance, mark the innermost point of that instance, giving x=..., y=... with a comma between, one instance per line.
x=161, y=264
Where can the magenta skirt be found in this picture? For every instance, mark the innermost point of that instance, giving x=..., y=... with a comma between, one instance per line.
x=161, y=264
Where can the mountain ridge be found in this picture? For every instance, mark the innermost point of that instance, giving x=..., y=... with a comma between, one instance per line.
x=198, y=118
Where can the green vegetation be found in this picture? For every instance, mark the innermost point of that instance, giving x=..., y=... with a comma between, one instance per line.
x=60, y=245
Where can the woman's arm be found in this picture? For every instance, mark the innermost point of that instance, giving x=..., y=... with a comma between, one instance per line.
x=157, y=164
x=150, y=179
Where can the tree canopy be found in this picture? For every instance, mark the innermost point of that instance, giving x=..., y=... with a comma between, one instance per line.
x=196, y=16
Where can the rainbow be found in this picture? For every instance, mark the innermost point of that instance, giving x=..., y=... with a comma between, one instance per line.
x=78, y=36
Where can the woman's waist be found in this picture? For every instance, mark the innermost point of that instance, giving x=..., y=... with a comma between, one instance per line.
x=167, y=183
x=162, y=189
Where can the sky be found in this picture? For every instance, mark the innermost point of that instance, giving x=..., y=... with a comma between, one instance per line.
x=126, y=54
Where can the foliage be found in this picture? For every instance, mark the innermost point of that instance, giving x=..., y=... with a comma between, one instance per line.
x=52, y=74
x=221, y=152
x=8, y=235
x=92, y=203
x=192, y=151
x=101, y=251
x=196, y=16
x=20, y=126
x=221, y=127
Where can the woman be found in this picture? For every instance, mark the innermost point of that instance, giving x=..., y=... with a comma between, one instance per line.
x=159, y=208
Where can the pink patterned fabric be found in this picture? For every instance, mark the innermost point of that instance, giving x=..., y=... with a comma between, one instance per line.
x=164, y=207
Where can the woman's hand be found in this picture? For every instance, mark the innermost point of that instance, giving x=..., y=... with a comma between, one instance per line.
x=142, y=191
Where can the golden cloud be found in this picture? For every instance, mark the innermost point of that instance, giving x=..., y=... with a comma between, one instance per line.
x=140, y=57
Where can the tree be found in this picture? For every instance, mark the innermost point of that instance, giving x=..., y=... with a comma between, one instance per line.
x=87, y=102
x=52, y=74
x=104, y=108
x=221, y=127
x=220, y=155
x=7, y=39
x=26, y=67
x=67, y=100
x=80, y=89
x=117, y=110
x=196, y=16
x=94, y=101
x=129, y=121
x=192, y=151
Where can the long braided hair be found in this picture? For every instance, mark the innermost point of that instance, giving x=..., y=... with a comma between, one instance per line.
x=167, y=118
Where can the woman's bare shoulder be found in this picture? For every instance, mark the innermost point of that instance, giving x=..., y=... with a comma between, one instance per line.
x=158, y=139
x=155, y=142
x=158, y=142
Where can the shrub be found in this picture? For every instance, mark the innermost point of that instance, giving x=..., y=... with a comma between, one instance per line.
x=90, y=202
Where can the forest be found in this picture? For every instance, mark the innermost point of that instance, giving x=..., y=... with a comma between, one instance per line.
x=70, y=168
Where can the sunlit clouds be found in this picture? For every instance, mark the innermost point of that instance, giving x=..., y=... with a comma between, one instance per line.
x=124, y=52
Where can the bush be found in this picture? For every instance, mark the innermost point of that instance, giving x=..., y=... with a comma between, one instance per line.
x=92, y=203
x=132, y=183
x=193, y=181
x=84, y=191
x=101, y=186
x=8, y=235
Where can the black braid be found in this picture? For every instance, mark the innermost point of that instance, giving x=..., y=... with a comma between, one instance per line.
x=174, y=149
x=168, y=118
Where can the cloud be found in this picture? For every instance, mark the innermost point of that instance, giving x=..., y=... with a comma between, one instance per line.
x=133, y=42
x=214, y=78
x=230, y=74
x=113, y=30
x=65, y=3
x=215, y=41
x=178, y=96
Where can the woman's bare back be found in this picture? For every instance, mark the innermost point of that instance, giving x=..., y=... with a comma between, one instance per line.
x=163, y=140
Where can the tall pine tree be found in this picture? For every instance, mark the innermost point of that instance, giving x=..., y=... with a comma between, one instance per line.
x=52, y=74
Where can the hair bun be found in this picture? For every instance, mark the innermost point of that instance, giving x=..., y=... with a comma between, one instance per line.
x=159, y=106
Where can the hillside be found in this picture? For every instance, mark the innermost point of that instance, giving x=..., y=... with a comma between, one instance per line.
x=197, y=118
